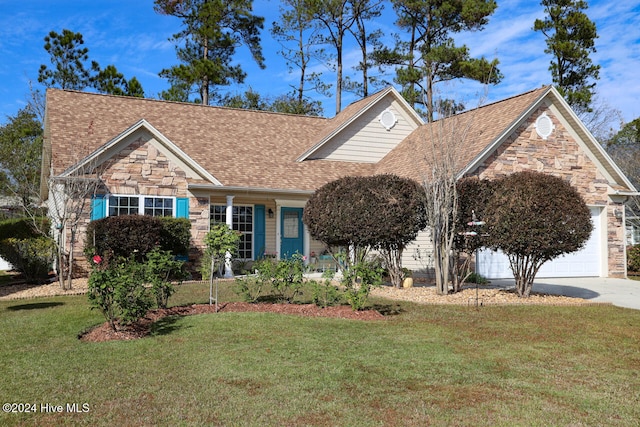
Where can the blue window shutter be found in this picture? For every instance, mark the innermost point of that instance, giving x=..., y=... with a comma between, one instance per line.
x=98, y=206
x=182, y=207
x=259, y=232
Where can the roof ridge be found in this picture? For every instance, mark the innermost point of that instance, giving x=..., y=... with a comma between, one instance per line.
x=187, y=104
x=510, y=98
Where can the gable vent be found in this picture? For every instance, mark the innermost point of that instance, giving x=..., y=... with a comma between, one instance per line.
x=544, y=126
x=388, y=119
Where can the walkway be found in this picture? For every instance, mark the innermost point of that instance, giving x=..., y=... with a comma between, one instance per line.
x=619, y=292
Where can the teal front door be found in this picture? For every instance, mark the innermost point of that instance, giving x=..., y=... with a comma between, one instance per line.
x=291, y=231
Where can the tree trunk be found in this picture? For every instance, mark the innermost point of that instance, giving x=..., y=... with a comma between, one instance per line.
x=524, y=270
x=393, y=258
x=441, y=260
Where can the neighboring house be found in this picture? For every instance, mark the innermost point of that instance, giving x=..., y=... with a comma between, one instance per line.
x=255, y=170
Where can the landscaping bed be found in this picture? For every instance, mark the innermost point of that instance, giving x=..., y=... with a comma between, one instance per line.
x=144, y=326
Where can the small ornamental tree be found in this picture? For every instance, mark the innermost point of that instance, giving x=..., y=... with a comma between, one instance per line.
x=399, y=207
x=221, y=241
x=383, y=212
x=533, y=218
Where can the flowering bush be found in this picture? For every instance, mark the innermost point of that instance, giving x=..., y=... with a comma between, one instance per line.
x=118, y=287
x=117, y=290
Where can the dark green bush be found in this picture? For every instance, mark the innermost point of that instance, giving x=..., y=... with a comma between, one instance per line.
x=33, y=257
x=175, y=235
x=25, y=248
x=22, y=228
x=136, y=235
x=633, y=258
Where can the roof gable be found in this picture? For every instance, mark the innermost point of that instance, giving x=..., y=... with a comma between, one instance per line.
x=107, y=151
x=357, y=133
x=477, y=134
x=460, y=138
x=552, y=99
x=239, y=148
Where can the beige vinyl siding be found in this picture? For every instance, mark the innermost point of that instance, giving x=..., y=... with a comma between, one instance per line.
x=366, y=140
x=417, y=256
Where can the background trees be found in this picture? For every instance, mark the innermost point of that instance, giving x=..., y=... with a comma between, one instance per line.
x=427, y=54
x=624, y=148
x=20, y=153
x=69, y=57
x=301, y=44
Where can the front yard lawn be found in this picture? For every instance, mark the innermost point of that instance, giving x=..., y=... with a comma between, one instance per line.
x=423, y=365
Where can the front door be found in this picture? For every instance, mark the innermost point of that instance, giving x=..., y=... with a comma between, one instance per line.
x=292, y=232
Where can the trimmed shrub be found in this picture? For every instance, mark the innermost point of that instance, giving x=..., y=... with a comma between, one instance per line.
x=123, y=236
x=383, y=212
x=175, y=235
x=533, y=218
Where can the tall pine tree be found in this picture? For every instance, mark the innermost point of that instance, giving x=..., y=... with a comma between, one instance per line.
x=213, y=29
x=426, y=53
x=570, y=38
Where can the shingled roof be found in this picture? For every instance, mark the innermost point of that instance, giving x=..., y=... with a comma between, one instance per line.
x=266, y=151
x=240, y=148
x=469, y=133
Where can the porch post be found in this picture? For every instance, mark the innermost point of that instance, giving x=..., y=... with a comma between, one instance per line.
x=228, y=270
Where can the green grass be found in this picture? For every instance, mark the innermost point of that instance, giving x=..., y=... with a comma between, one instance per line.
x=427, y=365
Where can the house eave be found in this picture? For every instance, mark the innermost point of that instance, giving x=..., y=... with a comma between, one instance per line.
x=623, y=193
x=249, y=190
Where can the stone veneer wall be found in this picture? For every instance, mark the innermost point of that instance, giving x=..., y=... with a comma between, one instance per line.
x=140, y=169
x=561, y=155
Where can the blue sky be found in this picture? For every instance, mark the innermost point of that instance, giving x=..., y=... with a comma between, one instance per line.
x=130, y=35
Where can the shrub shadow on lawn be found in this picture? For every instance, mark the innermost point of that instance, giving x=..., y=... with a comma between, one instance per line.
x=388, y=309
x=34, y=306
x=165, y=326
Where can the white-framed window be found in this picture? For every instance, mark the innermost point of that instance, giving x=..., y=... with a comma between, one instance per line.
x=140, y=205
x=242, y=221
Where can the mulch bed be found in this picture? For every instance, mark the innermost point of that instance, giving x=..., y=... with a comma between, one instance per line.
x=142, y=328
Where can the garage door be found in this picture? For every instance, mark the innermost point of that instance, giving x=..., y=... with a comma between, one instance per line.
x=584, y=263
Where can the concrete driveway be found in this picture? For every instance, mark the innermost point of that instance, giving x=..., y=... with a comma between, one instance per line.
x=619, y=292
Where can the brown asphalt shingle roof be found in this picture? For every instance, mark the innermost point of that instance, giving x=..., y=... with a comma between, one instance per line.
x=240, y=148
x=469, y=133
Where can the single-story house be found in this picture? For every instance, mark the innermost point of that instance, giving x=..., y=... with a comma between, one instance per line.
x=255, y=170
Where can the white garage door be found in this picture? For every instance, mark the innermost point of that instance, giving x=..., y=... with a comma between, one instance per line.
x=584, y=263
